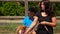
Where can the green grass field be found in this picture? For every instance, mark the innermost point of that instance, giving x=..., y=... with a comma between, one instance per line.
x=10, y=28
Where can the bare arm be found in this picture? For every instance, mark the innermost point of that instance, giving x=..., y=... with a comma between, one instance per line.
x=32, y=25
x=53, y=24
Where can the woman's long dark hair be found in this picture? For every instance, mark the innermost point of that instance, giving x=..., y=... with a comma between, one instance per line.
x=48, y=8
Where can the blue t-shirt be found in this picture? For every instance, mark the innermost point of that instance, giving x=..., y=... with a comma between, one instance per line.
x=27, y=21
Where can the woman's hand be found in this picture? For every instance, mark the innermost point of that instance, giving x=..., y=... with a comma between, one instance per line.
x=43, y=22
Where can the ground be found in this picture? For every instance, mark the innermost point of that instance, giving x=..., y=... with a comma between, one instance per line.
x=10, y=28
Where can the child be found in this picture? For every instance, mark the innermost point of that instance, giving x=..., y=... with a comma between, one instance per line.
x=29, y=19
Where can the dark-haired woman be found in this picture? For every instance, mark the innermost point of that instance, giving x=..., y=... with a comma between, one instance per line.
x=46, y=18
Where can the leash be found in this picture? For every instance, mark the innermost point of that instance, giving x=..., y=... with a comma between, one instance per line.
x=46, y=28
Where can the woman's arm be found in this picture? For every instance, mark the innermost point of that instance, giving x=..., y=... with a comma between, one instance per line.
x=32, y=25
x=53, y=23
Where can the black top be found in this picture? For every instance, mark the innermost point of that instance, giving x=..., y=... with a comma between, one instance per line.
x=47, y=18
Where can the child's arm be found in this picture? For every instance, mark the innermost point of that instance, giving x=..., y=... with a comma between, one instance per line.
x=32, y=25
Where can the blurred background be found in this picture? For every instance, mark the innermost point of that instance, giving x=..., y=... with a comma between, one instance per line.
x=12, y=14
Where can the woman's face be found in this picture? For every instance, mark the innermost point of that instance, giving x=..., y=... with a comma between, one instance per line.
x=42, y=6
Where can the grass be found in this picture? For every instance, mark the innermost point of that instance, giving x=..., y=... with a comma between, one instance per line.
x=10, y=28
x=57, y=28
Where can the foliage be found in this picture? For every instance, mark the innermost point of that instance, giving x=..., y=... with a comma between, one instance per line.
x=13, y=9
x=56, y=7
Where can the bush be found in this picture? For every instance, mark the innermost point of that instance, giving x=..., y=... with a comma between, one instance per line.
x=56, y=7
x=11, y=9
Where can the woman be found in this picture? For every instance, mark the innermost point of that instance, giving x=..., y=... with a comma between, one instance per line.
x=46, y=18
